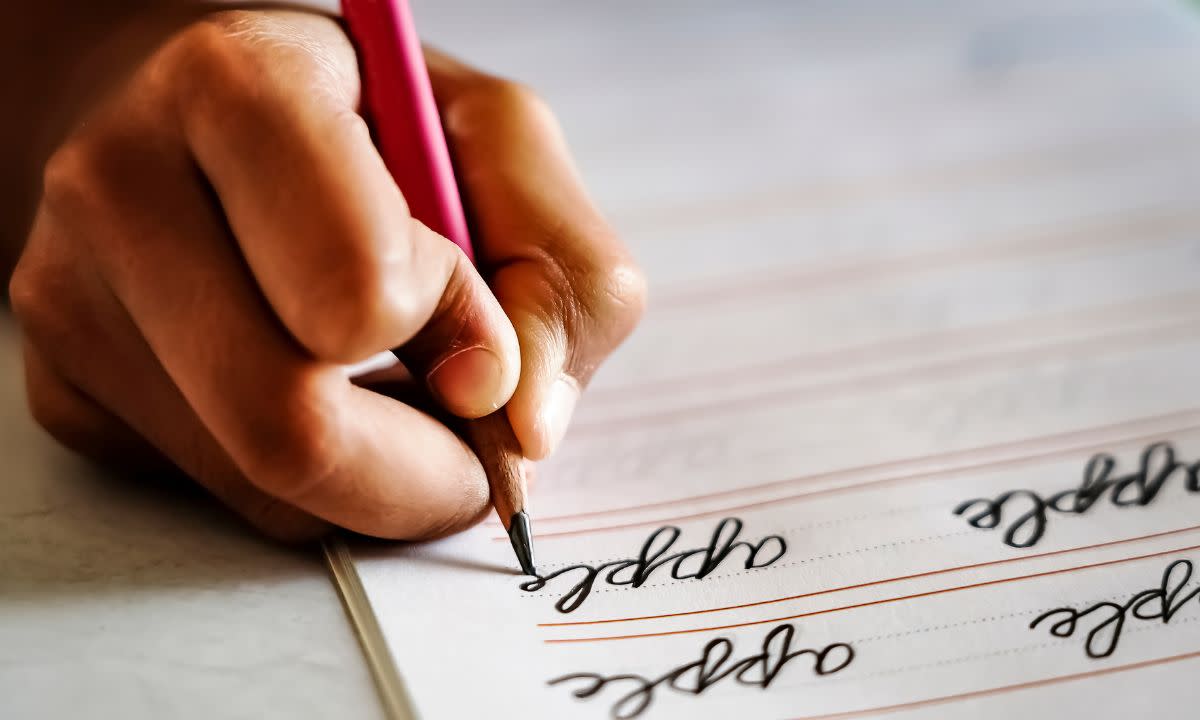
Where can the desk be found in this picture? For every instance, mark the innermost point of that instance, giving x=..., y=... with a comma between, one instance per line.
x=126, y=601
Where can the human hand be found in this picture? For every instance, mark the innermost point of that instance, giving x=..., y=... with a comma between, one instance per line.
x=219, y=238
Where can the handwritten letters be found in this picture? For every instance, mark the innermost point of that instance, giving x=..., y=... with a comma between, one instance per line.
x=715, y=665
x=1160, y=603
x=1139, y=488
x=692, y=564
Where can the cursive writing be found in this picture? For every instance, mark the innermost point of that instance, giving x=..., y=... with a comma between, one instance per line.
x=684, y=565
x=715, y=664
x=1158, y=603
x=1140, y=488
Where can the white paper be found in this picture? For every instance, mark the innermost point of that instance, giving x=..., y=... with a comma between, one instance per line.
x=987, y=275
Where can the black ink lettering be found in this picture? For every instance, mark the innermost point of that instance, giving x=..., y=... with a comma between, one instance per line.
x=685, y=565
x=713, y=666
x=1139, y=488
x=1160, y=603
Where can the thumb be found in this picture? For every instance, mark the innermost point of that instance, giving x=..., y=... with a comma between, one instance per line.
x=467, y=350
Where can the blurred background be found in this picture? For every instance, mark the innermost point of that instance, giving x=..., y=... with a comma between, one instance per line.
x=768, y=123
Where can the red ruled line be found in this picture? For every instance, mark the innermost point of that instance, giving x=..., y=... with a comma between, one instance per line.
x=1136, y=225
x=1126, y=338
x=1192, y=414
x=914, y=477
x=945, y=699
x=872, y=603
x=1090, y=155
x=843, y=357
x=873, y=583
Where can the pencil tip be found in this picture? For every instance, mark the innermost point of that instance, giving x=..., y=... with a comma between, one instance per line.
x=521, y=535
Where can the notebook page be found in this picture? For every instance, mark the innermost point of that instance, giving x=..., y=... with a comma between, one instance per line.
x=915, y=434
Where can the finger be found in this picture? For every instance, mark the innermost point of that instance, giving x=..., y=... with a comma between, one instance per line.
x=322, y=225
x=154, y=431
x=77, y=422
x=296, y=428
x=570, y=288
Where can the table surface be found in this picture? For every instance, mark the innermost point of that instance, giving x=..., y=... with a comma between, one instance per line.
x=799, y=129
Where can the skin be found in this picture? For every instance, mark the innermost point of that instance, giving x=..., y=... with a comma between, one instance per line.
x=218, y=237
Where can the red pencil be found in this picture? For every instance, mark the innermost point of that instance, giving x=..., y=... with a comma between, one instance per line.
x=399, y=103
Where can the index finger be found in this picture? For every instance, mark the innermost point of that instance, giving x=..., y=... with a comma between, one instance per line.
x=293, y=425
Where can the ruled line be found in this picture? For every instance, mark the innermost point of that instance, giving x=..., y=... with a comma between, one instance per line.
x=840, y=358
x=873, y=603
x=1117, y=340
x=1112, y=151
x=885, y=581
x=1189, y=414
x=1130, y=226
x=855, y=487
x=945, y=699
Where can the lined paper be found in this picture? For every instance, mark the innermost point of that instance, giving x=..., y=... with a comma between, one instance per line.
x=981, y=281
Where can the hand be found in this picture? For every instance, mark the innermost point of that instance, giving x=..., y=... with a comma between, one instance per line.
x=220, y=238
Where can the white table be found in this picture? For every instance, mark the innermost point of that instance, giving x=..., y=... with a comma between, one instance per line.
x=128, y=600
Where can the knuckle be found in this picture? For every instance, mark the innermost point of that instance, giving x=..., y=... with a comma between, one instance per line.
x=610, y=292
x=25, y=292
x=216, y=67
x=71, y=179
x=209, y=45
x=48, y=298
x=490, y=97
x=624, y=291
x=518, y=99
x=377, y=295
x=40, y=297
x=244, y=62
x=343, y=316
x=299, y=450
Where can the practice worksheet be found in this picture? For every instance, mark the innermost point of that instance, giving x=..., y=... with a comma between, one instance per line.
x=912, y=425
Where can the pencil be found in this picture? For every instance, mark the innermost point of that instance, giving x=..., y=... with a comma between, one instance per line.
x=399, y=101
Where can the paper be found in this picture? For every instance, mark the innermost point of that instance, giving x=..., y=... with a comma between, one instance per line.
x=920, y=440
